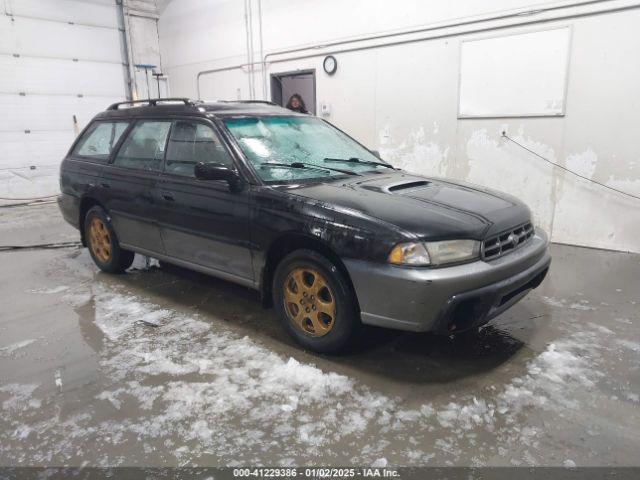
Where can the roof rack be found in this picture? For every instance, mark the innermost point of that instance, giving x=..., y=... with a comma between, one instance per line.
x=153, y=102
x=266, y=102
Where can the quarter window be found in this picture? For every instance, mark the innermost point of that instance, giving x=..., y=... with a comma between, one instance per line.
x=144, y=147
x=99, y=140
x=192, y=142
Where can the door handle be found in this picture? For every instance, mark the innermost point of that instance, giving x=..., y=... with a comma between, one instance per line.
x=105, y=185
x=168, y=197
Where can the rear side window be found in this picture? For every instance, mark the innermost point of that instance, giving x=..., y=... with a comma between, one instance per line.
x=144, y=147
x=192, y=142
x=98, y=141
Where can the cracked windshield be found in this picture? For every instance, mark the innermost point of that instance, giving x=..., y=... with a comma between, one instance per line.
x=297, y=148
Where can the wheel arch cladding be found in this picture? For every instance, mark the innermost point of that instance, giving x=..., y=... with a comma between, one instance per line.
x=85, y=205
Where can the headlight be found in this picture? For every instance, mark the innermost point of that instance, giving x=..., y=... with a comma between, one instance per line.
x=434, y=253
x=409, y=254
x=451, y=251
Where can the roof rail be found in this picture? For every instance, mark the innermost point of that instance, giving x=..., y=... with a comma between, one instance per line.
x=266, y=102
x=151, y=102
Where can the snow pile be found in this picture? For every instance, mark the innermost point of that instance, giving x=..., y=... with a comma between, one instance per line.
x=239, y=382
x=561, y=303
x=553, y=375
x=475, y=413
x=631, y=345
x=116, y=313
x=559, y=380
x=14, y=347
x=196, y=389
x=182, y=389
x=550, y=382
x=52, y=291
x=212, y=390
x=21, y=396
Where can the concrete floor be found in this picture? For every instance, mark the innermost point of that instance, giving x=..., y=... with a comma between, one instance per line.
x=174, y=368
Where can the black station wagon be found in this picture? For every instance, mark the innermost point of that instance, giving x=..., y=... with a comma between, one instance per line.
x=287, y=204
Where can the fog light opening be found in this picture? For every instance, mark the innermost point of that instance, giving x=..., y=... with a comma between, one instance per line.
x=464, y=315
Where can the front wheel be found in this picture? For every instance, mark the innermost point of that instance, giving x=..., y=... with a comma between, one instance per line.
x=103, y=243
x=314, y=302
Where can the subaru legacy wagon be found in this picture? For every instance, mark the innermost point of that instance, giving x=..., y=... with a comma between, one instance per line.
x=287, y=204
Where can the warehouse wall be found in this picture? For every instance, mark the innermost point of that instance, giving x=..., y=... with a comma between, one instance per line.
x=63, y=61
x=400, y=94
x=59, y=59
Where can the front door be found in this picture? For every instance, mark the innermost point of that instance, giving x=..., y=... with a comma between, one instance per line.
x=203, y=222
x=129, y=182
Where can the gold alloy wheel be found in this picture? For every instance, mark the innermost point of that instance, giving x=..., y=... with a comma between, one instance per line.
x=99, y=240
x=309, y=302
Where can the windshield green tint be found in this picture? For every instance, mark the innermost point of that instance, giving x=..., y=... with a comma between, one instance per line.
x=304, y=141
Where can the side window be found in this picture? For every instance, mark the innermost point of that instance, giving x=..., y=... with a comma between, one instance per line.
x=144, y=147
x=192, y=142
x=99, y=140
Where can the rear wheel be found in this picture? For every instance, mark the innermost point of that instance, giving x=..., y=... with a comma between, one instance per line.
x=103, y=242
x=314, y=302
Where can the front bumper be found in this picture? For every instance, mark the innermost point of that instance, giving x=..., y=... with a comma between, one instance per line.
x=448, y=299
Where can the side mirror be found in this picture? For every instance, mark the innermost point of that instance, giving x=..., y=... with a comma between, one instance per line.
x=217, y=171
x=376, y=153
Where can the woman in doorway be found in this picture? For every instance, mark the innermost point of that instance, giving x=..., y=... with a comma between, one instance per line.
x=296, y=103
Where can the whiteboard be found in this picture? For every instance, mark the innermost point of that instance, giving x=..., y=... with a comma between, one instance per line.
x=518, y=75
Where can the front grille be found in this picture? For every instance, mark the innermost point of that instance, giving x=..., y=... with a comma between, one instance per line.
x=506, y=242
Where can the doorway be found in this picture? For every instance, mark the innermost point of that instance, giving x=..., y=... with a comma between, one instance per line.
x=283, y=85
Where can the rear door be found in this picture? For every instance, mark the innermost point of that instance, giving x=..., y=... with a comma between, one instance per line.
x=202, y=222
x=130, y=181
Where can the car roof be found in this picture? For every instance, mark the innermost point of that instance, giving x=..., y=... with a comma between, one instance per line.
x=185, y=106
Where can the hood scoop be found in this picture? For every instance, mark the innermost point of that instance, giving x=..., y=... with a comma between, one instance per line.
x=407, y=186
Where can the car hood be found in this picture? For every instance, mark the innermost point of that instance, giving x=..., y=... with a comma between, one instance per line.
x=425, y=207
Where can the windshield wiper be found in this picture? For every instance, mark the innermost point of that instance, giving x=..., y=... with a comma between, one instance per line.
x=361, y=162
x=308, y=165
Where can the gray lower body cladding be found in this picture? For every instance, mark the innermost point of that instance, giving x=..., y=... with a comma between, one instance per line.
x=449, y=299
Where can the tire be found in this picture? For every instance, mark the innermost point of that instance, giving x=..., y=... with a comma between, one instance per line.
x=103, y=243
x=322, y=315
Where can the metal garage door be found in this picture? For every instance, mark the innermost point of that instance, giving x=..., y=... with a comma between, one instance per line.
x=59, y=59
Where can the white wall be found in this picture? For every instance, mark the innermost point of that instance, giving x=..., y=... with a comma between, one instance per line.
x=58, y=58
x=402, y=99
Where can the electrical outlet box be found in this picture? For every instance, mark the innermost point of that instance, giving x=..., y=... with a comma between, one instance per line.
x=325, y=109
